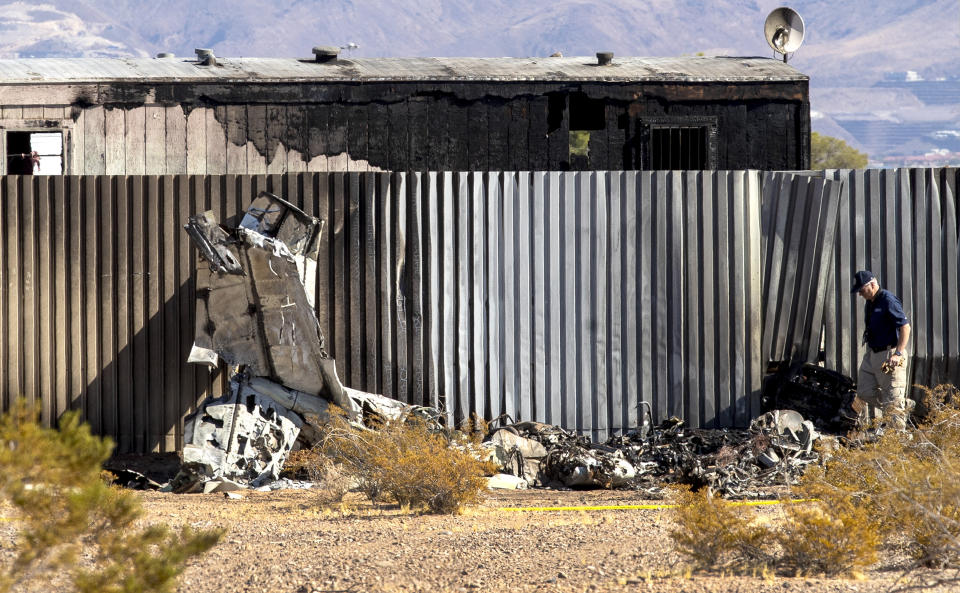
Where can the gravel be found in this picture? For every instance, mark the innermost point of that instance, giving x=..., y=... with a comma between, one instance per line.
x=282, y=541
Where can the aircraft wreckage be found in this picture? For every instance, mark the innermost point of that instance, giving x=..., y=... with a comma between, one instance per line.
x=255, y=311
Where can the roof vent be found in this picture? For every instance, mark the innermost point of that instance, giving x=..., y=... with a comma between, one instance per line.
x=604, y=58
x=205, y=57
x=165, y=54
x=326, y=53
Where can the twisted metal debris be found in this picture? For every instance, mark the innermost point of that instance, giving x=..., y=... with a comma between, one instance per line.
x=744, y=463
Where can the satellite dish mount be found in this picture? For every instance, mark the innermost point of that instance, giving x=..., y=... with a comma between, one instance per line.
x=783, y=31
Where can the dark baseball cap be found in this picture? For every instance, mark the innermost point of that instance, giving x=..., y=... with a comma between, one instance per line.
x=861, y=279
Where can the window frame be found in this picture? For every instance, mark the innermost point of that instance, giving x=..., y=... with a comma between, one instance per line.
x=709, y=123
x=33, y=126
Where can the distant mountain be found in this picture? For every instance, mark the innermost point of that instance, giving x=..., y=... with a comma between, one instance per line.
x=64, y=29
x=849, y=45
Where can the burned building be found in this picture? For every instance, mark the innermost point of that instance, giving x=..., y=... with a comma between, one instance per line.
x=209, y=115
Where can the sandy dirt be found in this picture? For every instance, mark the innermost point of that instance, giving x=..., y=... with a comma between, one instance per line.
x=284, y=542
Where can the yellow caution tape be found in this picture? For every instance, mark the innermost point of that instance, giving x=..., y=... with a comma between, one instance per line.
x=618, y=507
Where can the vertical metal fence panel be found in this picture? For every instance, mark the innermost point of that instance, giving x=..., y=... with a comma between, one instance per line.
x=615, y=372
x=710, y=343
x=28, y=278
x=674, y=285
x=722, y=294
x=569, y=315
x=554, y=324
x=59, y=208
x=800, y=220
x=599, y=286
x=461, y=202
x=385, y=275
x=447, y=294
x=754, y=288
x=433, y=251
x=92, y=296
x=492, y=324
x=694, y=327
x=523, y=278
x=478, y=286
x=630, y=320
x=585, y=322
x=539, y=301
x=643, y=246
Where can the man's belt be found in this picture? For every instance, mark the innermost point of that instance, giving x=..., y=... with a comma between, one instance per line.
x=882, y=348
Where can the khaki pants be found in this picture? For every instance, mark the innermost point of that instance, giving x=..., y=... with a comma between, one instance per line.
x=883, y=393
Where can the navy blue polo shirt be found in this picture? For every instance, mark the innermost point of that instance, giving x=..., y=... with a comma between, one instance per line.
x=884, y=317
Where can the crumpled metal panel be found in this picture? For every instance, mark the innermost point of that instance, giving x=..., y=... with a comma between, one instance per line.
x=263, y=318
x=243, y=437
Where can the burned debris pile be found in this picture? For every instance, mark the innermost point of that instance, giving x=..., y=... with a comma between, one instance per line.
x=748, y=463
x=824, y=396
x=255, y=311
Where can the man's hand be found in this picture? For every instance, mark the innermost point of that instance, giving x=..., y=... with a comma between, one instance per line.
x=895, y=360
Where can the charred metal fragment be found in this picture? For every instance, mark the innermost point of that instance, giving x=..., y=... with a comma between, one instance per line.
x=255, y=311
x=211, y=241
x=262, y=317
x=274, y=217
x=242, y=438
x=824, y=396
x=752, y=463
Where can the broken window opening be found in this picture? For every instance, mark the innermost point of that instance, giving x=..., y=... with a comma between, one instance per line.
x=586, y=113
x=678, y=148
x=34, y=153
x=579, y=149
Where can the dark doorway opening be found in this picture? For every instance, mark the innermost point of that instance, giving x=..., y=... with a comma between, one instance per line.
x=34, y=153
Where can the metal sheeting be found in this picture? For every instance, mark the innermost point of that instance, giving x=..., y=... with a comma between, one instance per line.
x=567, y=298
x=799, y=223
x=902, y=225
x=624, y=69
x=561, y=297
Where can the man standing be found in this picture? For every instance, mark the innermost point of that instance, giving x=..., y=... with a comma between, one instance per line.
x=882, y=380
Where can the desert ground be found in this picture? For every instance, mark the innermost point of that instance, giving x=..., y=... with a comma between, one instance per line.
x=283, y=541
x=286, y=541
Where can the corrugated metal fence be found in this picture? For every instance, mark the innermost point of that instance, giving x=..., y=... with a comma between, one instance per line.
x=561, y=297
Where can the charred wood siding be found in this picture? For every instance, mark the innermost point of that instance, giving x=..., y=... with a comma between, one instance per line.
x=259, y=128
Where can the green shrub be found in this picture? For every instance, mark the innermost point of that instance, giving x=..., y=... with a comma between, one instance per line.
x=408, y=462
x=52, y=478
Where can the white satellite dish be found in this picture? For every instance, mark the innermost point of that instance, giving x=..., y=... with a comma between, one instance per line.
x=783, y=30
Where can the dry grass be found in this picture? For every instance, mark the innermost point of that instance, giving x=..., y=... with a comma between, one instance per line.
x=407, y=462
x=899, y=487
